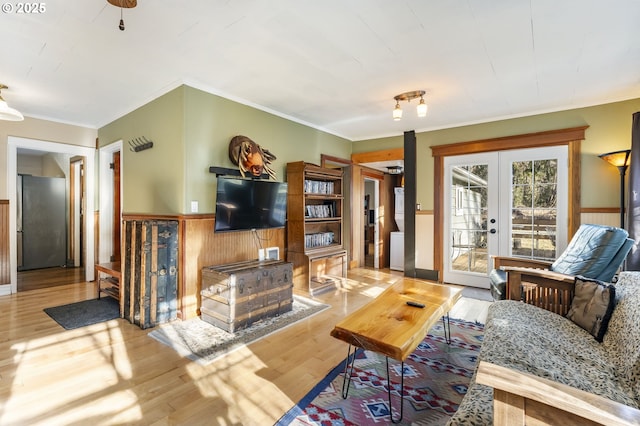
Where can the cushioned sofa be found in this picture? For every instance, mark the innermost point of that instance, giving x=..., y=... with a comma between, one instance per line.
x=552, y=352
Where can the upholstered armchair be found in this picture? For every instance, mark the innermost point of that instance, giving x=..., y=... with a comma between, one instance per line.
x=595, y=251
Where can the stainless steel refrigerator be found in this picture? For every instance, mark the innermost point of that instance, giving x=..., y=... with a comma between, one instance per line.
x=41, y=222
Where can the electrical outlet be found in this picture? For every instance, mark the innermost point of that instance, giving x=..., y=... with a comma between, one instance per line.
x=272, y=253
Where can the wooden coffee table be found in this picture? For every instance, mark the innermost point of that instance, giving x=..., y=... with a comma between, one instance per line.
x=389, y=326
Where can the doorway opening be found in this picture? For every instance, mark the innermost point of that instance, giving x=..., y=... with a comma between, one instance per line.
x=371, y=223
x=50, y=193
x=76, y=212
x=111, y=163
x=56, y=151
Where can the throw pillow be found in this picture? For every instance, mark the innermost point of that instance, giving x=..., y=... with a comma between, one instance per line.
x=592, y=305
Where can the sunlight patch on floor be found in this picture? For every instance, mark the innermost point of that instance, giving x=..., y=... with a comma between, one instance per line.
x=101, y=399
x=372, y=291
x=220, y=382
x=472, y=310
x=350, y=284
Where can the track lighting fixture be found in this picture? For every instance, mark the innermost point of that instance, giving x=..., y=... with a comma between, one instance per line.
x=421, y=109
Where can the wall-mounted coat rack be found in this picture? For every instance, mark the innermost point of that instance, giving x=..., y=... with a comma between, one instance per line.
x=140, y=144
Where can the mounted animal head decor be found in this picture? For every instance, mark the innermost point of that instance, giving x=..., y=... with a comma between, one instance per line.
x=250, y=157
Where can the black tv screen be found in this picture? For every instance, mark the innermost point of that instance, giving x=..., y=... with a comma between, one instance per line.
x=246, y=204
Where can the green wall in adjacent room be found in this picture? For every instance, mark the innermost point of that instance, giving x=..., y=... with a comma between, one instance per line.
x=609, y=130
x=191, y=130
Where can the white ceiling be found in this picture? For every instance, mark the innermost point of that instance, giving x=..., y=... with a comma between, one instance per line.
x=334, y=64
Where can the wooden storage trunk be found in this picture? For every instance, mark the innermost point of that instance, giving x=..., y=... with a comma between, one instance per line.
x=234, y=296
x=149, y=284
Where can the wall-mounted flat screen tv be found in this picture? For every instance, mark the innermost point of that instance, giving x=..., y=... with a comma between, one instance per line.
x=247, y=204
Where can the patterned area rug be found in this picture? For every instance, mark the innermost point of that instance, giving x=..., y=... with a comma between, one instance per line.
x=204, y=343
x=436, y=377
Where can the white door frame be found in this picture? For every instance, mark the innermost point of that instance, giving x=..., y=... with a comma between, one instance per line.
x=105, y=248
x=376, y=224
x=76, y=212
x=13, y=143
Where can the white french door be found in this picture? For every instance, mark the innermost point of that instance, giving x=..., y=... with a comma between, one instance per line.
x=506, y=203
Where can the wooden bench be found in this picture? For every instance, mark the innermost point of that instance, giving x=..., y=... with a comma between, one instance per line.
x=112, y=279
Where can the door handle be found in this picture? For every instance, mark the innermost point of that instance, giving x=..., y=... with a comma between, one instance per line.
x=493, y=230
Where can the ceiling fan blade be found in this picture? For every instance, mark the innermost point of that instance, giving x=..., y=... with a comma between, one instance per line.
x=127, y=4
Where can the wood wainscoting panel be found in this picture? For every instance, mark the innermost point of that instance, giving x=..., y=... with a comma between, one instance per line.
x=424, y=239
x=601, y=216
x=201, y=246
x=5, y=267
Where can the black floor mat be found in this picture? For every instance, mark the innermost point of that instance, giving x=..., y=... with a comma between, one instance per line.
x=87, y=312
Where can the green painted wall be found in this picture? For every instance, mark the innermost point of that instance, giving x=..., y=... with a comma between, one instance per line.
x=609, y=130
x=154, y=178
x=191, y=130
x=211, y=121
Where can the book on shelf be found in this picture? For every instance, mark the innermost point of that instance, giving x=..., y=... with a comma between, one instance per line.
x=318, y=187
x=333, y=208
x=326, y=210
x=319, y=239
x=319, y=211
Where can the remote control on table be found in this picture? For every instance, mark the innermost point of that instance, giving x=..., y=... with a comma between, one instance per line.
x=415, y=304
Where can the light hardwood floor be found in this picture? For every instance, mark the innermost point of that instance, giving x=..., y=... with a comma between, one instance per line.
x=49, y=277
x=113, y=373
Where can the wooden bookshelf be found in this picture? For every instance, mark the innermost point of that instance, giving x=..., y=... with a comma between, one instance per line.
x=315, y=227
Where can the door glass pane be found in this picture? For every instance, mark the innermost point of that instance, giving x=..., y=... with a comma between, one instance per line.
x=534, y=209
x=468, y=228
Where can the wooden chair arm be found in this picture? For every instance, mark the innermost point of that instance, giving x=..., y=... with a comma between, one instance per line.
x=502, y=261
x=550, y=278
x=546, y=289
x=521, y=398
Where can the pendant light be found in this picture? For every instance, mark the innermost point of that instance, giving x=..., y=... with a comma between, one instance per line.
x=6, y=112
x=123, y=4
